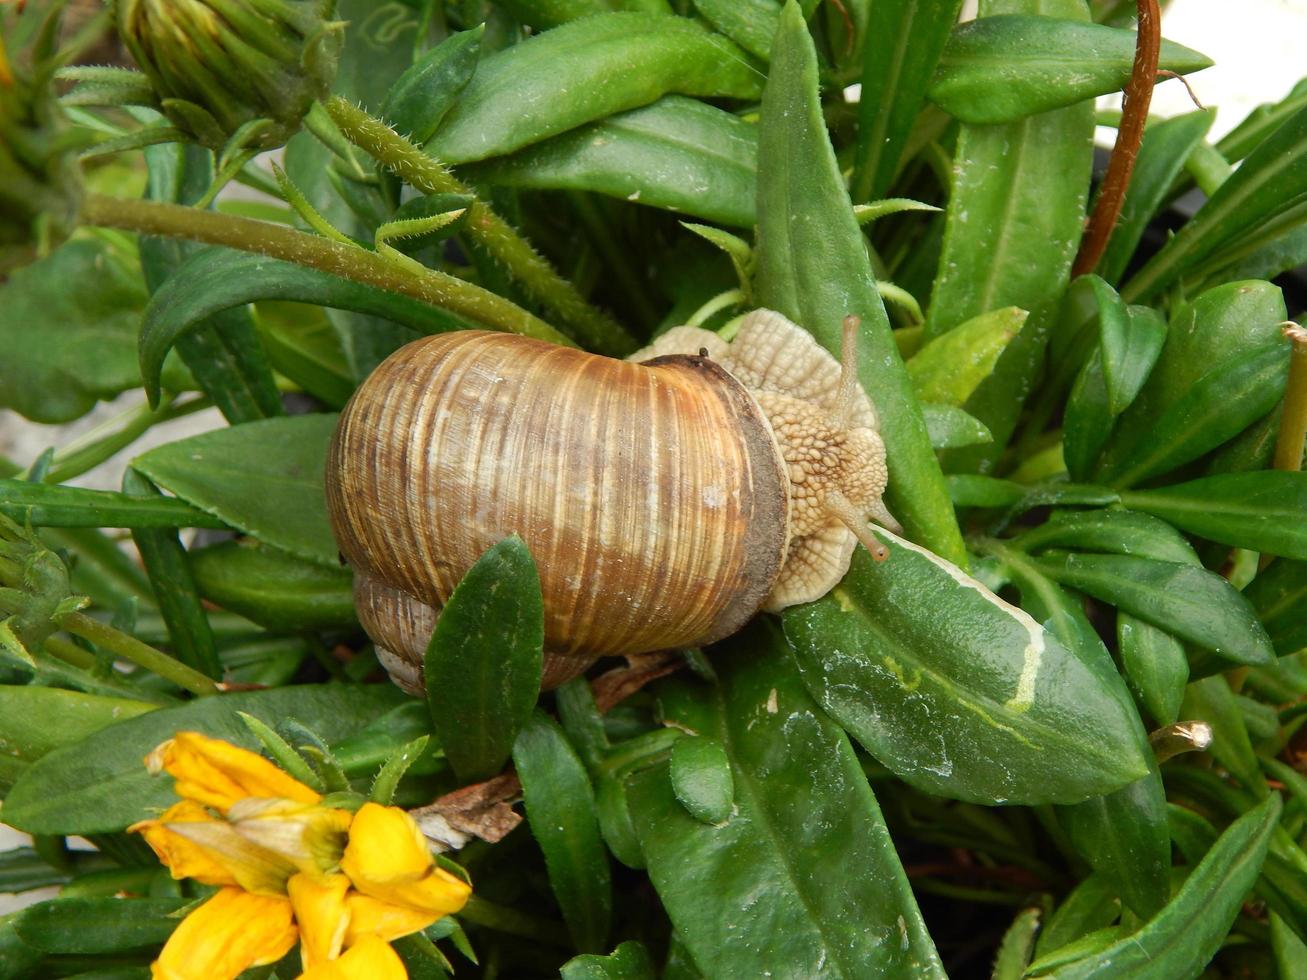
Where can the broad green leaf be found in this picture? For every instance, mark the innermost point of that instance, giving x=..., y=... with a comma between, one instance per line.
x=482, y=665
x=1013, y=225
x=1279, y=594
x=1091, y=905
x=67, y=348
x=174, y=590
x=812, y=266
x=1191, y=602
x=1212, y=701
x=749, y=23
x=264, y=478
x=1115, y=531
x=420, y=98
x=629, y=961
x=1155, y=666
x=769, y=890
x=1180, y=940
x=273, y=588
x=560, y=810
x=975, y=701
x=218, y=279
x=950, y=367
x=1263, y=511
x=606, y=63
x=950, y=427
x=1271, y=183
x=98, y=925
x=101, y=785
x=701, y=778
x=1161, y=158
x=903, y=42
x=679, y=154
x=37, y=720
x=302, y=346
x=1000, y=68
x=51, y=505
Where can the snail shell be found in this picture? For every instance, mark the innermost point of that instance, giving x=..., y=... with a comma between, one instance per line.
x=664, y=502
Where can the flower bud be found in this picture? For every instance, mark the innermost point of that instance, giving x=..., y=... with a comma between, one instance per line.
x=223, y=67
x=40, y=179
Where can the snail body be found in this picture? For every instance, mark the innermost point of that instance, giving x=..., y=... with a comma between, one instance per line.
x=664, y=502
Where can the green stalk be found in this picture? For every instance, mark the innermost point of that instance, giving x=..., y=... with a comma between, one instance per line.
x=314, y=252
x=115, y=435
x=125, y=647
x=423, y=173
x=1293, y=423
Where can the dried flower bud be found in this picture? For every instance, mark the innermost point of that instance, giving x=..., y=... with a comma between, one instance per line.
x=224, y=68
x=40, y=180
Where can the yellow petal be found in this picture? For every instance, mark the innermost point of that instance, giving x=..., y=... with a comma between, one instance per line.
x=217, y=773
x=311, y=837
x=322, y=915
x=370, y=917
x=184, y=858
x=254, y=868
x=387, y=858
x=371, y=959
x=229, y=933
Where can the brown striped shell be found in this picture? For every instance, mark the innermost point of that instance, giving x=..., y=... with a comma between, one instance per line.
x=654, y=497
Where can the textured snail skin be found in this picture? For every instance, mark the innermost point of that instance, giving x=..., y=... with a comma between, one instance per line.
x=652, y=496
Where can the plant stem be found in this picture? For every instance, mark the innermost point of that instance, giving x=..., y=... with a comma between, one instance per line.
x=1134, y=114
x=1293, y=423
x=128, y=648
x=113, y=436
x=501, y=918
x=487, y=229
x=347, y=261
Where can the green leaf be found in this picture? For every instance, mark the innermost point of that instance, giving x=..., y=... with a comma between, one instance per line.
x=1290, y=950
x=1279, y=594
x=387, y=781
x=812, y=266
x=1090, y=906
x=101, y=784
x=303, y=347
x=1189, y=601
x=420, y=98
x=1011, y=715
x=749, y=23
x=1013, y=225
x=1018, y=944
x=903, y=42
x=949, y=427
x=218, y=279
x=629, y=961
x=560, y=809
x=1000, y=68
x=1131, y=341
x=98, y=925
x=483, y=662
x=948, y=369
x=1155, y=666
x=804, y=816
x=678, y=154
x=1115, y=531
x=1162, y=154
x=604, y=64
x=701, y=778
x=273, y=588
x=969, y=490
x=1181, y=939
x=50, y=505
x=1264, y=511
x=67, y=348
x=1212, y=701
x=264, y=478
x=37, y=720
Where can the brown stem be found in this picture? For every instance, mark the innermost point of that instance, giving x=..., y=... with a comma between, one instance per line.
x=620, y=683
x=1134, y=113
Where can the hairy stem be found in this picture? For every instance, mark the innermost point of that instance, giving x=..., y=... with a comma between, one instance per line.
x=423, y=173
x=128, y=648
x=314, y=252
x=1134, y=113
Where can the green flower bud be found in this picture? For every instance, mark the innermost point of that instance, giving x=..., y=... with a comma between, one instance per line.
x=40, y=179
x=244, y=68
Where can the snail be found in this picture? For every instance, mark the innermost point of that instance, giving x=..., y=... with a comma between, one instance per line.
x=666, y=499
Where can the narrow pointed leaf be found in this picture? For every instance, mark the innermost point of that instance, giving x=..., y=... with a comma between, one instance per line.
x=1155, y=667
x=950, y=427
x=51, y=505
x=1279, y=594
x=482, y=666
x=272, y=588
x=950, y=367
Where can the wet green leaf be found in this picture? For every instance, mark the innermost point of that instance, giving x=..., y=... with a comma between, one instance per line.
x=997, y=69
x=264, y=478
x=950, y=427
x=560, y=810
x=804, y=816
x=629, y=961
x=273, y=588
x=1279, y=594
x=606, y=63
x=482, y=666
x=1115, y=531
x=1212, y=701
x=1155, y=667
x=749, y=23
x=701, y=778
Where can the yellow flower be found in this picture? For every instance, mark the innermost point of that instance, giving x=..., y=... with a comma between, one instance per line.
x=340, y=883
